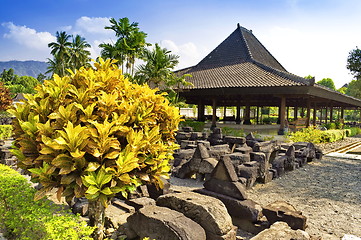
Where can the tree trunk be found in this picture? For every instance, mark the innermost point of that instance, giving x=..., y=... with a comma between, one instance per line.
x=97, y=218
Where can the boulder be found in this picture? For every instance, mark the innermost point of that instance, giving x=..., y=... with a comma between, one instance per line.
x=81, y=207
x=138, y=203
x=249, y=171
x=285, y=212
x=207, y=211
x=281, y=231
x=263, y=166
x=232, y=189
x=238, y=158
x=162, y=223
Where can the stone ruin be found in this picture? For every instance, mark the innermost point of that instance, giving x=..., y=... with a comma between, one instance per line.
x=228, y=166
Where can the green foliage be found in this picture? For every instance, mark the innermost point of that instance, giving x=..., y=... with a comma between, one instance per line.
x=22, y=218
x=330, y=125
x=354, y=88
x=327, y=82
x=68, y=54
x=197, y=126
x=5, y=131
x=228, y=131
x=92, y=124
x=269, y=120
x=314, y=135
x=354, y=62
x=352, y=131
x=16, y=84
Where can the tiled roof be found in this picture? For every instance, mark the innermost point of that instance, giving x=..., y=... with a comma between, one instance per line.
x=241, y=61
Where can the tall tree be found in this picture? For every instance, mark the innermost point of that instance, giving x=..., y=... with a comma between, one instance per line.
x=129, y=45
x=327, y=82
x=79, y=55
x=354, y=62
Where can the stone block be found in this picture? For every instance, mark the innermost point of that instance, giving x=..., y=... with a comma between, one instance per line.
x=285, y=212
x=248, y=171
x=196, y=135
x=201, y=152
x=162, y=223
x=245, y=149
x=207, y=211
x=185, y=143
x=232, y=189
x=138, y=203
x=263, y=163
x=207, y=144
x=279, y=165
x=281, y=231
x=155, y=193
x=225, y=170
x=207, y=165
x=187, y=129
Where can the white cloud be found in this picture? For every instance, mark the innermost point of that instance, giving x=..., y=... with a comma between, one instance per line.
x=94, y=25
x=189, y=54
x=28, y=37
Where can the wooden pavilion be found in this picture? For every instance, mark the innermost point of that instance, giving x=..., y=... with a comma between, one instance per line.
x=242, y=72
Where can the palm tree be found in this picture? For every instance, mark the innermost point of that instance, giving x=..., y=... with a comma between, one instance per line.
x=79, y=56
x=129, y=45
x=158, y=67
x=60, y=51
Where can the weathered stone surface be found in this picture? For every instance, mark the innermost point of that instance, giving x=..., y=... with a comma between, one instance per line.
x=243, y=209
x=115, y=217
x=207, y=165
x=184, y=153
x=232, y=189
x=245, y=149
x=319, y=153
x=238, y=158
x=196, y=136
x=248, y=171
x=279, y=165
x=138, y=203
x=289, y=163
x=281, y=231
x=235, y=140
x=164, y=224
x=185, y=143
x=187, y=129
x=201, y=152
x=263, y=164
x=225, y=170
x=285, y=212
x=154, y=192
x=207, y=144
x=207, y=211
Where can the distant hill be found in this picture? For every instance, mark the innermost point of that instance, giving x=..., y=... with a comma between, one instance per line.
x=25, y=68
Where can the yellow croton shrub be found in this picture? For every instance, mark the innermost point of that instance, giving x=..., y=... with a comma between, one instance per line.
x=94, y=134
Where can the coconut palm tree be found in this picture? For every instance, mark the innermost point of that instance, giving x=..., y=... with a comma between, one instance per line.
x=60, y=51
x=79, y=56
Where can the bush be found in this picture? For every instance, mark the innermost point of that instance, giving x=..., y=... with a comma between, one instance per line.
x=197, y=126
x=330, y=125
x=311, y=134
x=352, y=131
x=6, y=131
x=22, y=218
x=228, y=131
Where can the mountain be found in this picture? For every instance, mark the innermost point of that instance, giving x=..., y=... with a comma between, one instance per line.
x=25, y=68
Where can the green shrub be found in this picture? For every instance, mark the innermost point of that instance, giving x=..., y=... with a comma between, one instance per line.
x=352, y=131
x=269, y=120
x=228, y=131
x=5, y=131
x=197, y=126
x=25, y=219
x=311, y=134
x=330, y=125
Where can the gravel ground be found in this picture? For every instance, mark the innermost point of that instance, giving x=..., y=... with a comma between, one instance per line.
x=327, y=192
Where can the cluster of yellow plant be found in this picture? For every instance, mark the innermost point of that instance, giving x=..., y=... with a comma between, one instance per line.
x=94, y=133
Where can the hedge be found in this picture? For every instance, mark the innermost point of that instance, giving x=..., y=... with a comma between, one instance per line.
x=25, y=219
x=314, y=135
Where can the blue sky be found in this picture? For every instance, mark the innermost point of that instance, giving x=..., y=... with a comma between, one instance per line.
x=305, y=36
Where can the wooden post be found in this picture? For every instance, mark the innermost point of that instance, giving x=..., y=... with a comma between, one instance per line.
x=238, y=114
x=247, y=115
x=321, y=115
x=200, y=113
x=257, y=115
x=288, y=112
x=282, y=115
x=214, y=115
x=314, y=114
x=342, y=112
x=308, y=113
x=326, y=114
x=295, y=113
x=331, y=114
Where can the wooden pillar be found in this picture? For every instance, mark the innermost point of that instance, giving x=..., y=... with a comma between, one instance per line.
x=308, y=114
x=302, y=112
x=295, y=113
x=321, y=115
x=314, y=114
x=214, y=115
x=331, y=114
x=200, y=113
x=247, y=115
x=257, y=115
x=342, y=112
x=238, y=114
x=282, y=116
x=326, y=114
x=224, y=113
x=288, y=113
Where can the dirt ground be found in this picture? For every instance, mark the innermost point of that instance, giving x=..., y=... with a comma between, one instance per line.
x=327, y=192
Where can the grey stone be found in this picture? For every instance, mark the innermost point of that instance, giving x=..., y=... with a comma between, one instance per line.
x=138, y=203
x=201, y=151
x=244, y=150
x=281, y=231
x=279, y=165
x=285, y=212
x=232, y=189
x=207, y=144
x=164, y=224
x=225, y=170
x=81, y=206
x=207, y=211
x=184, y=154
x=207, y=165
x=248, y=171
x=187, y=129
x=238, y=158
x=263, y=163
x=185, y=143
